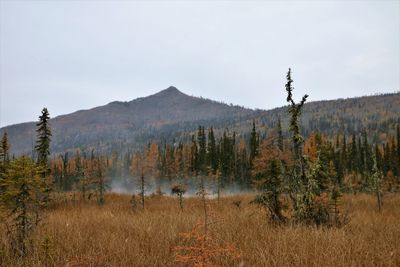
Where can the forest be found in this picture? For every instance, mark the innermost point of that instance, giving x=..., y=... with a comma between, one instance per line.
x=281, y=197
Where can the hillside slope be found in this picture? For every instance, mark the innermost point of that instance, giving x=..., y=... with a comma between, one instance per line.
x=170, y=114
x=118, y=122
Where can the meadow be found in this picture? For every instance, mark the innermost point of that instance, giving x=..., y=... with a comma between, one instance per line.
x=81, y=233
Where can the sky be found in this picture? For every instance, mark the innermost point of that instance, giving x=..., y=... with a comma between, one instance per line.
x=71, y=55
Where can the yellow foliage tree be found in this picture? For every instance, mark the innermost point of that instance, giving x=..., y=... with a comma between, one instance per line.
x=19, y=201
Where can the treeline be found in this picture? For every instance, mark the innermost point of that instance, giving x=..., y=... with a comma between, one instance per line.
x=349, y=159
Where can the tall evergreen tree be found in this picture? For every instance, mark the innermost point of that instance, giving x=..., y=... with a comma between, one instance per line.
x=361, y=157
x=193, y=157
x=3, y=160
x=297, y=177
x=202, y=151
x=378, y=157
x=368, y=161
x=43, y=138
x=344, y=157
x=339, y=163
x=4, y=149
x=295, y=112
x=306, y=179
x=227, y=157
x=254, y=144
x=271, y=189
x=393, y=157
x=280, y=136
x=386, y=158
x=4, y=156
x=242, y=166
x=43, y=150
x=353, y=154
x=224, y=156
x=212, y=151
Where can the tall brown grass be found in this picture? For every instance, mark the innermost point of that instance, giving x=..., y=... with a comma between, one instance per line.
x=84, y=234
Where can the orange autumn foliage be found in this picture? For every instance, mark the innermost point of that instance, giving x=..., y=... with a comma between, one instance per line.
x=202, y=250
x=269, y=151
x=313, y=144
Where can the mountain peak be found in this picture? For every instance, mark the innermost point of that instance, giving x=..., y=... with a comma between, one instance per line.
x=172, y=90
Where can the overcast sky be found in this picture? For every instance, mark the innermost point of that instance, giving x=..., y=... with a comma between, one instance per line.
x=80, y=54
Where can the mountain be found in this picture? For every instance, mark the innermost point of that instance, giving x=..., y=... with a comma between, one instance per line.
x=171, y=114
x=127, y=122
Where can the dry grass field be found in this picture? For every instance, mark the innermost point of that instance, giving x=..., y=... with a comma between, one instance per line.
x=84, y=234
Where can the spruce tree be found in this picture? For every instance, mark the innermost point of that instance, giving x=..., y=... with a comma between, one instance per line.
x=233, y=153
x=212, y=151
x=224, y=156
x=227, y=156
x=242, y=166
x=280, y=136
x=367, y=154
x=298, y=173
x=271, y=187
x=43, y=151
x=202, y=151
x=308, y=209
x=306, y=178
x=4, y=156
x=43, y=138
x=386, y=158
x=295, y=112
x=253, y=144
x=296, y=176
x=353, y=154
x=361, y=158
x=344, y=156
x=4, y=149
x=394, y=167
x=193, y=157
x=378, y=157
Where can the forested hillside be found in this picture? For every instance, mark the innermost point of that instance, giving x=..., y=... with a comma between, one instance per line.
x=130, y=123
x=375, y=114
x=172, y=115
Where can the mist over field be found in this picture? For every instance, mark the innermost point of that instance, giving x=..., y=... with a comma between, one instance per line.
x=192, y=184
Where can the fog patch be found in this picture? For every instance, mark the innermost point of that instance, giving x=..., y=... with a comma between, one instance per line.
x=132, y=185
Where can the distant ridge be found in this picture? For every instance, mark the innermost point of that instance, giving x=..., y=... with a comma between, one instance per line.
x=123, y=121
x=170, y=113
